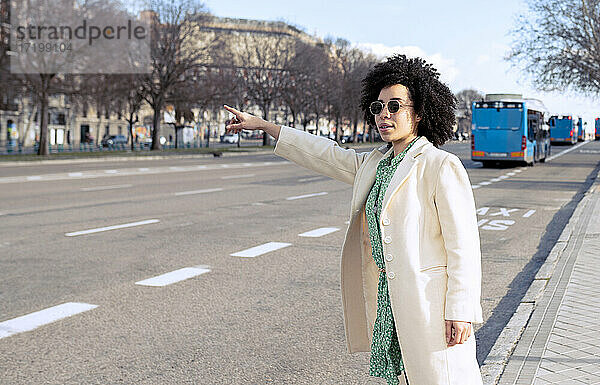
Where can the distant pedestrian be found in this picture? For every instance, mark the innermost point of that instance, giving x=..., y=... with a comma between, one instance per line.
x=411, y=260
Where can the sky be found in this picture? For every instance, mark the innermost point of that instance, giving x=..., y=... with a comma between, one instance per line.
x=466, y=40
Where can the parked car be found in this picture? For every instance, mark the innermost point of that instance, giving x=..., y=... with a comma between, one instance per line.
x=229, y=138
x=112, y=140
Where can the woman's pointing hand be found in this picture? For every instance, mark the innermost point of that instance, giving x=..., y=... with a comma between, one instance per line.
x=246, y=121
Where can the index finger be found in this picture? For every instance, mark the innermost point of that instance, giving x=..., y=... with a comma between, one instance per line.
x=232, y=110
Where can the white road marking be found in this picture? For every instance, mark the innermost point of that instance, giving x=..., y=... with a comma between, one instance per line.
x=503, y=177
x=305, y=196
x=198, y=191
x=504, y=212
x=483, y=210
x=35, y=320
x=495, y=180
x=173, y=276
x=260, y=250
x=237, y=176
x=511, y=174
x=101, y=188
x=498, y=225
x=475, y=186
x=518, y=170
x=115, y=227
x=529, y=213
x=175, y=168
x=565, y=151
x=485, y=183
x=75, y=174
x=309, y=179
x=481, y=222
x=90, y=174
x=319, y=232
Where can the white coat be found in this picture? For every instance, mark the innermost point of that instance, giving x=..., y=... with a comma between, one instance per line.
x=431, y=250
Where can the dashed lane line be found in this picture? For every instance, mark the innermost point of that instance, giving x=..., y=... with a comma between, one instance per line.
x=133, y=172
x=319, y=232
x=565, y=151
x=513, y=173
x=174, y=276
x=209, y=190
x=35, y=320
x=306, y=196
x=102, y=188
x=310, y=179
x=237, y=176
x=260, y=250
x=115, y=227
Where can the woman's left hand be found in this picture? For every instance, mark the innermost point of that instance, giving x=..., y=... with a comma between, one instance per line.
x=457, y=332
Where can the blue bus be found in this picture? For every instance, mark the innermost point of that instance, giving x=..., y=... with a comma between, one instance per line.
x=580, y=136
x=562, y=129
x=508, y=128
x=597, y=129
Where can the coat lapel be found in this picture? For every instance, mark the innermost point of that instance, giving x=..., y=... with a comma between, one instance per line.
x=367, y=177
x=404, y=169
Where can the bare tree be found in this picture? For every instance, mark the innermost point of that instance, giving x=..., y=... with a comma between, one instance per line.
x=464, y=112
x=176, y=50
x=128, y=100
x=264, y=60
x=558, y=44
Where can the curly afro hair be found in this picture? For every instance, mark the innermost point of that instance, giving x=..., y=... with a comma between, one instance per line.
x=432, y=100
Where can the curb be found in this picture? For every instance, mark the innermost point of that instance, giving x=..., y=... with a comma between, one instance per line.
x=498, y=357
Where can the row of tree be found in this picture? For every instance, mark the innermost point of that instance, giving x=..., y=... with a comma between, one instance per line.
x=194, y=69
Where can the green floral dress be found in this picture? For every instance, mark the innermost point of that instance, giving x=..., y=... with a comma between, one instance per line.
x=386, y=358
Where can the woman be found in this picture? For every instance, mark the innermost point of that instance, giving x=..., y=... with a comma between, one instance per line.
x=411, y=261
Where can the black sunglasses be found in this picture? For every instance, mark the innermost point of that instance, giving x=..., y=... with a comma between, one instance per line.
x=393, y=106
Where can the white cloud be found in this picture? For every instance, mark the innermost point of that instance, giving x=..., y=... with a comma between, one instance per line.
x=446, y=67
x=482, y=59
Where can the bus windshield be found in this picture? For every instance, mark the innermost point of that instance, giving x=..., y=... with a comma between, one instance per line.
x=498, y=119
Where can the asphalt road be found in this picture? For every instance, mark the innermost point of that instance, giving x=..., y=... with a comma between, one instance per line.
x=270, y=319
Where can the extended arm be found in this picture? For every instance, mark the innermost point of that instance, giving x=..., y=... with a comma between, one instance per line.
x=319, y=154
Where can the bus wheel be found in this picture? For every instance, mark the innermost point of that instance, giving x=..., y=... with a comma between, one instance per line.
x=487, y=163
x=543, y=160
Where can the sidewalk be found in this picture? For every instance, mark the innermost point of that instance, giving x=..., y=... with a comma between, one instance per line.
x=560, y=343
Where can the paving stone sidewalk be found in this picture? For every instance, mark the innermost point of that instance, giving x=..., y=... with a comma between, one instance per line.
x=561, y=342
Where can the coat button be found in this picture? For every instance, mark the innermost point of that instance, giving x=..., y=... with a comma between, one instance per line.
x=389, y=257
x=386, y=221
x=387, y=239
x=391, y=275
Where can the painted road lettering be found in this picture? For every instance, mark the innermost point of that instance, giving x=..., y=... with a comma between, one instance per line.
x=500, y=224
